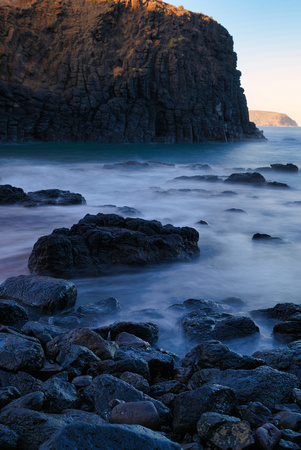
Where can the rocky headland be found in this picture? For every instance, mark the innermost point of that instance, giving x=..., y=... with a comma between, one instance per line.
x=117, y=71
x=271, y=119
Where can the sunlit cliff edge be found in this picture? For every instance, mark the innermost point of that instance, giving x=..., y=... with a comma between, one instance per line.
x=271, y=119
x=117, y=71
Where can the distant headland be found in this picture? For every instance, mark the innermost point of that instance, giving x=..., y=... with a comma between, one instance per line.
x=271, y=119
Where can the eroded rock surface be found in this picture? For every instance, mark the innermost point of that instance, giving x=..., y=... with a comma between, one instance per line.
x=117, y=71
x=107, y=243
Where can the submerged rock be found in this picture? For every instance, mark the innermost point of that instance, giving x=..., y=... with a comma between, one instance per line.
x=44, y=293
x=247, y=177
x=108, y=243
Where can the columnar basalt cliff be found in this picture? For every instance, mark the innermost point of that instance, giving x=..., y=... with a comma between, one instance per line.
x=117, y=71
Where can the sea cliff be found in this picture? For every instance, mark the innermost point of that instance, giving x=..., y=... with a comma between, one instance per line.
x=117, y=71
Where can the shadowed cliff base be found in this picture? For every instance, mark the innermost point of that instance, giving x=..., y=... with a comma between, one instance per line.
x=117, y=71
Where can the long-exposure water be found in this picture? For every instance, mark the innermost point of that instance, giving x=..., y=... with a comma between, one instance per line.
x=230, y=263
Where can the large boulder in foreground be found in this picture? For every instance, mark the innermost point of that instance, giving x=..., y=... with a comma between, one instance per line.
x=106, y=436
x=44, y=293
x=107, y=243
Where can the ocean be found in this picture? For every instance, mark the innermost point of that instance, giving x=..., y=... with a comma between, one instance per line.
x=231, y=264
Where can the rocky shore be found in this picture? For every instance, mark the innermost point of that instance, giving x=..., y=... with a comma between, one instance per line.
x=66, y=382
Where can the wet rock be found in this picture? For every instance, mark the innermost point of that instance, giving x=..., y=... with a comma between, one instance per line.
x=234, y=327
x=44, y=333
x=44, y=293
x=167, y=387
x=33, y=401
x=224, y=432
x=247, y=177
x=197, y=326
x=137, y=165
x=100, y=307
x=234, y=302
x=210, y=178
x=288, y=331
x=10, y=195
x=33, y=427
x=136, y=380
x=106, y=243
x=267, y=436
x=289, y=167
x=83, y=337
x=189, y=406
x=126, y=211
x=8, y=438
x=7, y=395
x=81, y=435
x=287, y=359
x=76, y=356
x=197, y=166
x=59, y=395
x=136, y=413
x=263, y=384
x=292, y=436
x=18, y=352
x=24, y=382
x=147, y=331
x=12, y=314
x=106, y=388
x=214, y=354
x=277, y=184
x=281, y=311
x=202, y=222
x=287, y=445
x=128, y=364
x=82, y=381
x=265, y=237
x=130, y=340
x=297, y=396
x=256, y=414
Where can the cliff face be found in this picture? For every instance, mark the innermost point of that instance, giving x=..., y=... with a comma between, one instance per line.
x=271, y=119
x=121, y=71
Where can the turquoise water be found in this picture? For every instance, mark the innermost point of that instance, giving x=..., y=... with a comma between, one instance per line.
x=230, y=263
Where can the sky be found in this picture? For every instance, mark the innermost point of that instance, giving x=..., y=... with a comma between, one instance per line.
x=267, y=40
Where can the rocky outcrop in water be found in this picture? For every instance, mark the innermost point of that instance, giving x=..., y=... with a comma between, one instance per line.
x=10, y=195
x=121, y=71
x=107, y=243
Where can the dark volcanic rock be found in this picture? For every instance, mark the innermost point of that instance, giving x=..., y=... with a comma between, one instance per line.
x=281, y=311
x=8, y=438
x=142, y=71
x=234, y=327
x=288, y=331
x=289, y=167
x=13, y=314
x=247, y=177
x=24, y=382
x=147, y=331
x=263, y=384
x=106, y=243
x=100, y=307
x=287, y=359
x=265, y=237
x=44, y=293
x=108, y=436
x=137, y=165
x=10, y=195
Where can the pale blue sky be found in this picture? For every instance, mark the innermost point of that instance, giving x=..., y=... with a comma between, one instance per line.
x=267, y=40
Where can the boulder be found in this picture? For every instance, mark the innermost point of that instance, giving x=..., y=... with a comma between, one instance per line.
x=128, y=364
x=136, y=413
x=214, y=354
x=281, y=311
x=234, y=327
x=46, y=294
x=129, y=340
x=197, y=326
x=246, y=177
x=108, y=243
x=24, y=382
x=41, y=331
x=12, y=314
x=8, y=438
x=59, y=395
x=167, y=387
x=136, y=380
x=85, y=338
x=289, y=167
x=7, y=395
x=265, y=237
x=33, y=401
x=189, y=406
x=288, y=331
x=146, y=331
x=288, y=419
x=108, y=436
x=224, y=432
x=82, y=381
x=10, y=195
x=19, y=352
x=263, y=384
x=286, y=359
x=106, y=388
x=256, y=414
x=267, y=436
x=76, y=356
